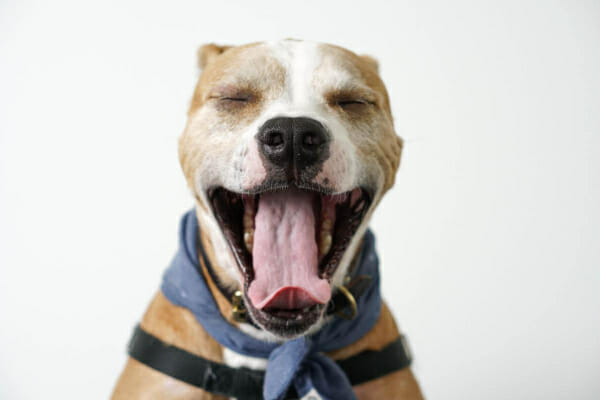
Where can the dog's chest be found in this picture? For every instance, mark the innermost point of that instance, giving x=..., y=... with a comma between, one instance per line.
x=237, y=360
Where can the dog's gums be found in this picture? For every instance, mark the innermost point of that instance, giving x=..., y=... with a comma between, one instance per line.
x=288, y=244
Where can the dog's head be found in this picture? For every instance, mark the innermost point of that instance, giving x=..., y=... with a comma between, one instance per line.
x=288, y=148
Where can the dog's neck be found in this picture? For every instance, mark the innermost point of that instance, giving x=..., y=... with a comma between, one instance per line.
x=220, y=274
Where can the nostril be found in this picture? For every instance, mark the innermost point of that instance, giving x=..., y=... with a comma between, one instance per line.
x=274, y=139
x=312, y=140
x=309, y=139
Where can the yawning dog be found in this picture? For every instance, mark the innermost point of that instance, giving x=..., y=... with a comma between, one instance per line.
x=288, y=149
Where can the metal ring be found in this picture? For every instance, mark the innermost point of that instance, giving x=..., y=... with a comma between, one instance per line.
x=354, y=308
x=238, y=312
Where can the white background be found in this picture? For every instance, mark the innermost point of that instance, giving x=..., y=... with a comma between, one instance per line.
x=489, y=241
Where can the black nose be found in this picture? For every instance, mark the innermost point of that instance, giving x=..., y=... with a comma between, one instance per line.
x=293, y=144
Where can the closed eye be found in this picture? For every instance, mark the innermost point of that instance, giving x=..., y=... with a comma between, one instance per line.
x=352, y=99
x=240, y=99
x=344, y=103
x=354, y=105
x=234, y=102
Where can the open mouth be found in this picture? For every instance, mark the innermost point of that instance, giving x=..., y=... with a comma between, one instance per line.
x=288, y=244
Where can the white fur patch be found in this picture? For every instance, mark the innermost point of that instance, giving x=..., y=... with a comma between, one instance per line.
x=237, y=360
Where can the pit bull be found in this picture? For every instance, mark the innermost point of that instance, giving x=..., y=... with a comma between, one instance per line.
x=288, y=149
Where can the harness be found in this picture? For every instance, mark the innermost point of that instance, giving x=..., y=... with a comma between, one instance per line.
x=244, y=383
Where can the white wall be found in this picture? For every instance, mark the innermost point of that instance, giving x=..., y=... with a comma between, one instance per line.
x=489, y=240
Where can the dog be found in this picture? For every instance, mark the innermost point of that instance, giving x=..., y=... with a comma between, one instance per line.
x=288, y=149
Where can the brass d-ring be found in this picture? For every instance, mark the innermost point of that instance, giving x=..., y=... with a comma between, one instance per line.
x=353, y=307
x=238, y=312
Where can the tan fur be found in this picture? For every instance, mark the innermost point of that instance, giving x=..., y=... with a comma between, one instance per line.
x=219, y=66
x=208, y=52
x=372, y=61
x=239, y=71
x=251, y=72
x=176, y=326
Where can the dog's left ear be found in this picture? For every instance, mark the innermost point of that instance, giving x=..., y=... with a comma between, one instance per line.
x=371, y=61
x=208, y=52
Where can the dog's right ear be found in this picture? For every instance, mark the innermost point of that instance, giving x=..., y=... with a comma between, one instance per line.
x=208, y=52
x=371, y=61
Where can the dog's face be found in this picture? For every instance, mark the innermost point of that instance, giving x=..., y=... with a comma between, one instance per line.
x=288, y=148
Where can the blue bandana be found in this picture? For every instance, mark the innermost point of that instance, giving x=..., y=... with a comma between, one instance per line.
x=301, y=361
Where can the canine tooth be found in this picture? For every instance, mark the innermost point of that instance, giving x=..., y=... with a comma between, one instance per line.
x=249, y=240
x=324, y=243
x=326, y=225
x=248, y=221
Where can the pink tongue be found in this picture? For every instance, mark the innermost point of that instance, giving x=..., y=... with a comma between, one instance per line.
x=284, y=254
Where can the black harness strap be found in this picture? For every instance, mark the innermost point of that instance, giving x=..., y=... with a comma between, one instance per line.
x=369, y=365
x=245, y=383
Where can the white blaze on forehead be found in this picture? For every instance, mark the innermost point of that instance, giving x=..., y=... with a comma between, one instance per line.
x=311, y=70
x=306, y=58
x=314, y=70
x=300, y=60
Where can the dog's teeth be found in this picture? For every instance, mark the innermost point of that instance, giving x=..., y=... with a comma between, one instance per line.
x=324, y=243
x=248, y=221
x=249, y=240
x=325, y=238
